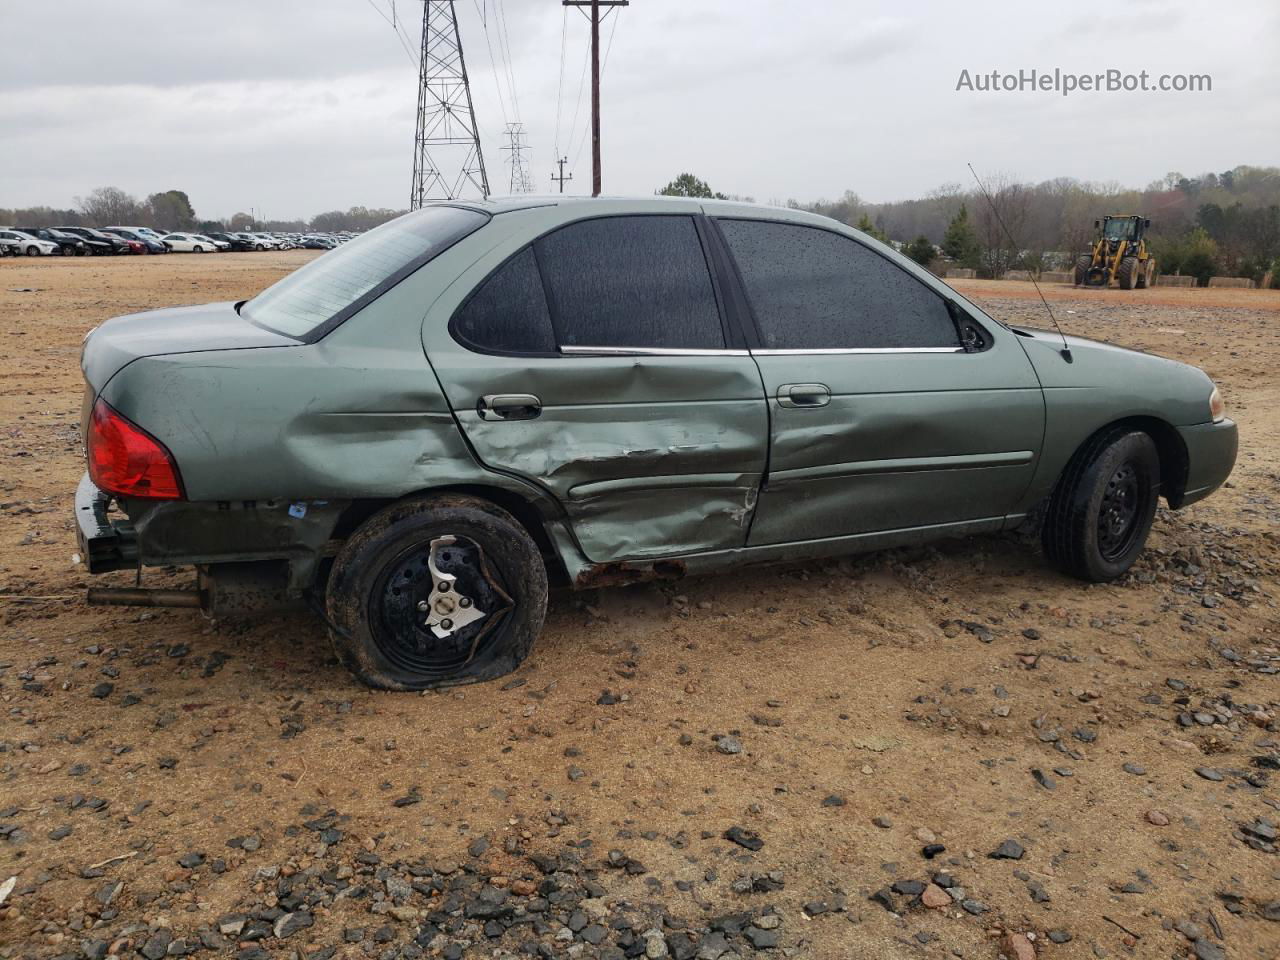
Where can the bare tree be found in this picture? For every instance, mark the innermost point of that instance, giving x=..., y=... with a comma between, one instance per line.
x=106, y=206
x=1008, y=208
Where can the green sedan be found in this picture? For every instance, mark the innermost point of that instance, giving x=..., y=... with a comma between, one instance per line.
x=416, y=433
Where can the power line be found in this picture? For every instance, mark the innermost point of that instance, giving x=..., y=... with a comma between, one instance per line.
x=564, y=31
x=391, y=22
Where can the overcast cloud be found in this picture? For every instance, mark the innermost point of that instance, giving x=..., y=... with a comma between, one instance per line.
x=296, y=107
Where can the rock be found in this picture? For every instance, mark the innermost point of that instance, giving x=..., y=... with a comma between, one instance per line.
x=712, y=947
x=232, y=925
x=729, y=745
x=744, y=838
x=478, y=846
x=1043, y=778
x=1016, y=946
x=935, y=897
x=157, y=944
x=884, y=823
x=102, y=691
x=576, y=773
x=1136, y=769
x=291, y=923
x=762, y=939
x=834, y=800
x=1208, y=773
x=1009, y=850
x=932, y=850
x=191, y=860
x=769, y=921
x=908, y=888
x=925, y=835
x=655, y=947
x=1208, y=950
x=1157, y=818
x=1059, y=936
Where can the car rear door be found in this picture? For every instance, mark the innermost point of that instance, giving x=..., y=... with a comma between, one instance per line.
x=881, y=419
x=597, y=363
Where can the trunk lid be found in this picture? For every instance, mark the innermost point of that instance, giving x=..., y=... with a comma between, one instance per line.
x=214, y=326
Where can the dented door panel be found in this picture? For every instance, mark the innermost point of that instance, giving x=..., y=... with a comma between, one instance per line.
x=669, y=466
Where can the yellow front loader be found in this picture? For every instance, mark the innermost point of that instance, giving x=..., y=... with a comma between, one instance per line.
x=1120, y=254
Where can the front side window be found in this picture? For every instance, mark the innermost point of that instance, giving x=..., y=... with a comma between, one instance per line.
x=812, y=289
x=635, y=281
x=317, y=293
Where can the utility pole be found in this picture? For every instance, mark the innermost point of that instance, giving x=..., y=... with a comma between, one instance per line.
x=446, y=116
x=595, y=6
x=562, y=178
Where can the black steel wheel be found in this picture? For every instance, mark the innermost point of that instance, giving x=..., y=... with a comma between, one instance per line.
x=1100, y=514
x=434, y=592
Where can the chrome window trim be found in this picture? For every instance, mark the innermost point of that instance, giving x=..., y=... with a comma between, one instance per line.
x=825, y=351
x=577, y=351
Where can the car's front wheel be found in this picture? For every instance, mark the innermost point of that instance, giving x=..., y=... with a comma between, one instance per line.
x=436, y=591
x=1100, y=514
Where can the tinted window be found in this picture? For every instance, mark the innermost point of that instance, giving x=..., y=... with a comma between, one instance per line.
x=508, y=313
x=630, y=282
x=813, y=289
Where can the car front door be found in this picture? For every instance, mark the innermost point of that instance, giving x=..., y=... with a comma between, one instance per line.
x=596, y=363
x=891, y=408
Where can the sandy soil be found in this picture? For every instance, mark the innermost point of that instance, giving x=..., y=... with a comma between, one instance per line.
x=961, y=695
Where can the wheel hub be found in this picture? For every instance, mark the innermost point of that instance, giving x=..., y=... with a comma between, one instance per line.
x=447, y=610
x=1118, y=512
x=437, y=603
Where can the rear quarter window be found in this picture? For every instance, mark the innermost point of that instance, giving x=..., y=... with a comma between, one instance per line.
x=312, y=300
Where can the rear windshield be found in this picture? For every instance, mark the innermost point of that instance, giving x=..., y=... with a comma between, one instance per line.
x=336, y=284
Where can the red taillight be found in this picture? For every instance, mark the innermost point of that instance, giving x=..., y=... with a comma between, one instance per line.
x=127, y=461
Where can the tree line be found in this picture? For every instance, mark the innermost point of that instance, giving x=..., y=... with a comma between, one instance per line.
x=171, y=210
x=1223, y=224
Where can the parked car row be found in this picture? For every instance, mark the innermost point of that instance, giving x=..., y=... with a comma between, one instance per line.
x=90, y=241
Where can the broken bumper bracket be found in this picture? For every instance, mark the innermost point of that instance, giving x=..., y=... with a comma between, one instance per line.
x=104, y=544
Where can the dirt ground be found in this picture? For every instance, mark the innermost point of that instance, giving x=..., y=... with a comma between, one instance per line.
x=173, y=786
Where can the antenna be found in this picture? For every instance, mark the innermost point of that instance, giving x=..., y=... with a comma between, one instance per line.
x=1066, y=348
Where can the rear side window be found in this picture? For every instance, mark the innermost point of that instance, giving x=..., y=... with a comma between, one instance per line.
x=639, y=281
x=508, y=313
x=330, y=288
x=814, y=289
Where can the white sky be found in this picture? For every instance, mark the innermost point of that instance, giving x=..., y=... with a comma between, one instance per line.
x=299, y=106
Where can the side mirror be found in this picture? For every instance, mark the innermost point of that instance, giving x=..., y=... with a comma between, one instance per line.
x=1097, y=224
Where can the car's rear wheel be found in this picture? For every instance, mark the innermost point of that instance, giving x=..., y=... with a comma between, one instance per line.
x=434, y=592
x=1100, y=514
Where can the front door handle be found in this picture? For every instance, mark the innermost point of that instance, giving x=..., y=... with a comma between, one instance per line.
x=509, y=406
x=803, y=395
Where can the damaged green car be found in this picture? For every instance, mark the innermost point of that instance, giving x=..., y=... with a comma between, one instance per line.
x=417, y=432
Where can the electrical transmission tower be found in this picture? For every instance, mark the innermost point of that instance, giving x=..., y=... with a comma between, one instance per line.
x=516, y=146
x=447, y=128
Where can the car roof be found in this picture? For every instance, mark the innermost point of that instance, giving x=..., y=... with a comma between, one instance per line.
x=614, y=206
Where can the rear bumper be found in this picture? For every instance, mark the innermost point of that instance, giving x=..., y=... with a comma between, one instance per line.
x=1211, y=455
x=183, y=533
x=105, y=544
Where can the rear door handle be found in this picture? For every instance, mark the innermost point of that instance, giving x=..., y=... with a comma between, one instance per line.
x=803, y=395
x=509, y=406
